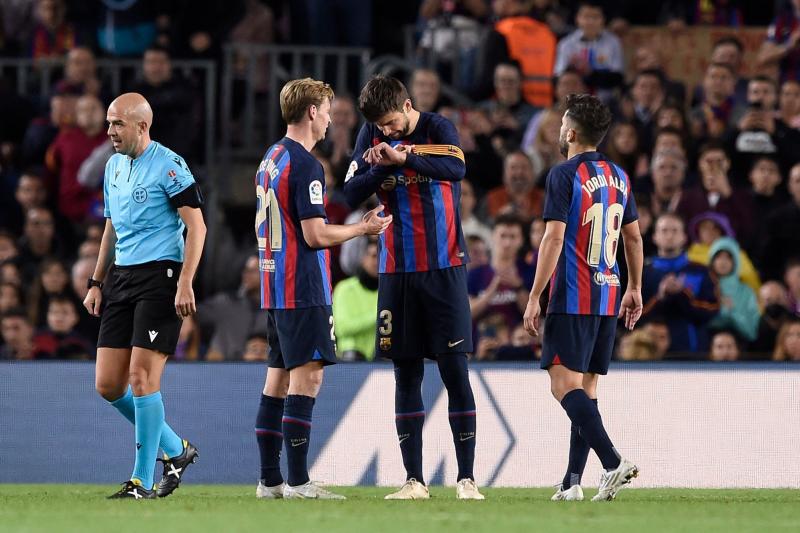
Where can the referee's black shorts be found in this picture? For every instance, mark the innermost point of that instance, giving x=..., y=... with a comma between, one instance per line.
x=139, y=308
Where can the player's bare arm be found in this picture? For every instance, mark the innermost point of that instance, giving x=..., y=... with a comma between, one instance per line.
x=631, y=304
x=95, y=296
x=319, y=234
x=549, y=251
x=192, y=217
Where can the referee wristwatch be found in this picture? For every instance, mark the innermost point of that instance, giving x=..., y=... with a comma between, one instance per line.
x=94, y=283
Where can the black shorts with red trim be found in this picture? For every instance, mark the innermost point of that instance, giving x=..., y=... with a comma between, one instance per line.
x=583, y=343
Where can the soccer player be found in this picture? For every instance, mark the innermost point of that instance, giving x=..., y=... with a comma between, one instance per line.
x=588, y=203
x=413, y=161
x=150, y=198
x=293, y=236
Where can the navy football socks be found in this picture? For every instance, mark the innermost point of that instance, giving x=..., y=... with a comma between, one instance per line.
x=578, y=454
x=584, y=414
x=409, y=414
x=296, y=434
x=461, y=407
x=270, y=439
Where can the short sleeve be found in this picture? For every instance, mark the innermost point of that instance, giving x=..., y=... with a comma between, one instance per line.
x=558, y=195
x=175, y=175
x=631, y=214
x=309, y=195
x=106, y=177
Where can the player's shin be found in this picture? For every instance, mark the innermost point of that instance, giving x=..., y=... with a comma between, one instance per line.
x=170, y=442
x=461, y=407
x=149, y=412
x=578, y=455
x=270, y=439
x=297, y=415
x=584, y=414
x=410, y=415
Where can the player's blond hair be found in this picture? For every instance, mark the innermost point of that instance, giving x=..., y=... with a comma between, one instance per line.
x=298, y=95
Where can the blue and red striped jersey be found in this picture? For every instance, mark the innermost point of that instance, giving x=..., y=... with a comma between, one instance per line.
x=593, y=197
x=424, y=196
x=290, y=187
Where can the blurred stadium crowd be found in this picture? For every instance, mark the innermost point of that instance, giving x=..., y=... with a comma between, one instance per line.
x=715, y=167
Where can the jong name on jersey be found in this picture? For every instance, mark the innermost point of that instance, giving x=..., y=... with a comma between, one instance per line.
x=424, y=196
x=593, y=197
x=290, y=187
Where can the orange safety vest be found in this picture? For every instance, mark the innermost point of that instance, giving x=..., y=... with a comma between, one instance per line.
x=533, y=46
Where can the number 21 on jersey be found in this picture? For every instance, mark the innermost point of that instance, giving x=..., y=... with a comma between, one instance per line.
x=613, y=224
x=268, y=211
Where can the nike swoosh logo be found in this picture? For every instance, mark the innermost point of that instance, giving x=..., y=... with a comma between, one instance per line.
x=296, y=444
x=462, y=439
x=403, y=438
x=451, y=344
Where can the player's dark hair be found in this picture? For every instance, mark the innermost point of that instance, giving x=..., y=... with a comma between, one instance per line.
x=380, y=96
x=510, y=219
x=729, y=39
x=590, y=116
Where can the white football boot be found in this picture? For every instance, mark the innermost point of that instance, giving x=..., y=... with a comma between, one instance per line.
x=613, y=480
x=269, y=493
x=468, y=490
x=309, y=491
x=411, y=490
x=574, y=493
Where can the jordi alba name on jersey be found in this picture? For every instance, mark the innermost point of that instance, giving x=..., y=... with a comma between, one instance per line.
x=136, y=195
x=593, y=197
x=425, y=233
x=290, y=187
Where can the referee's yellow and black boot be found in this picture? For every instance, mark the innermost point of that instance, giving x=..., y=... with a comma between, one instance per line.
x=175, y=468
x=133, y=490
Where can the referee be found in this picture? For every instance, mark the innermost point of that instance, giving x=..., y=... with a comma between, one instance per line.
x=150, y=197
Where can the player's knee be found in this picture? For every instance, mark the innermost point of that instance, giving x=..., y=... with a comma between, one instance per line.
x=110, y=391
x=140, y=382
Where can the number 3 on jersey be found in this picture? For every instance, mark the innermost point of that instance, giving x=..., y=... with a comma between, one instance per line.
x=268, y=208
x=613, y=225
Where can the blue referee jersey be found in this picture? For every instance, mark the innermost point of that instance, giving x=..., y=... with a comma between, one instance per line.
x=137, y=196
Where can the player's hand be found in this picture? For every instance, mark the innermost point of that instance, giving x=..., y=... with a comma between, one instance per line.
x=375, y=224
x=386, y=156
x=630, y=308
x=531, y=319
x=184, y=300
x=92, y=301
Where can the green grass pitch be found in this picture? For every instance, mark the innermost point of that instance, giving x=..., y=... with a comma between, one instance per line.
x=83, y=508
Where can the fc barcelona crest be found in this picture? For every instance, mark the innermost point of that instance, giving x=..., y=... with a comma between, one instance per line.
x=386, y=344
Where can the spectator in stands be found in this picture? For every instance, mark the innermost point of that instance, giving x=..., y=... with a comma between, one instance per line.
x=60, y=339
x=670, y=115
x=592, y=50
x=231, y=317
x=535, y=236
x=16, y=25
x=760, y=132
x=257, y=347
x=709, y=118
x=520, y=347
x=10, y=297
x=341, y=135
x=774, y=303
x=82, y=269
x=787, y=347
x=704, y=230
x=69, y=150
x=508, y=101
x=680, y=292
x=425, y=89
x=11, y=273
x=729, y=51
x=127, y=29
x=519, y=37
x=789, y=104
x=715, y=193
x=38, y=241
x=518, y=194
x=637, y=346
x=724, y=347
x=791, y=277
x=17, y=335
x=658, y=332
x=782, y=241
x=647, y=95
x=475, y=130
x=738, y=308
x=544, y=152
x=669, y=139
x=173, y=101
x=501, y=287
x=29, y=193
x=478, y=250
x=765, y=177
x=188, y=347
x=470, y=225
x=80, y=74
x=781, y=45
x=51, y=281
x=647, y=57
x=355, y=301
x=624, y=148
x=668, y=173
x=52, y=36
x=568, y=82
x=680, y=13
x=43, y=129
